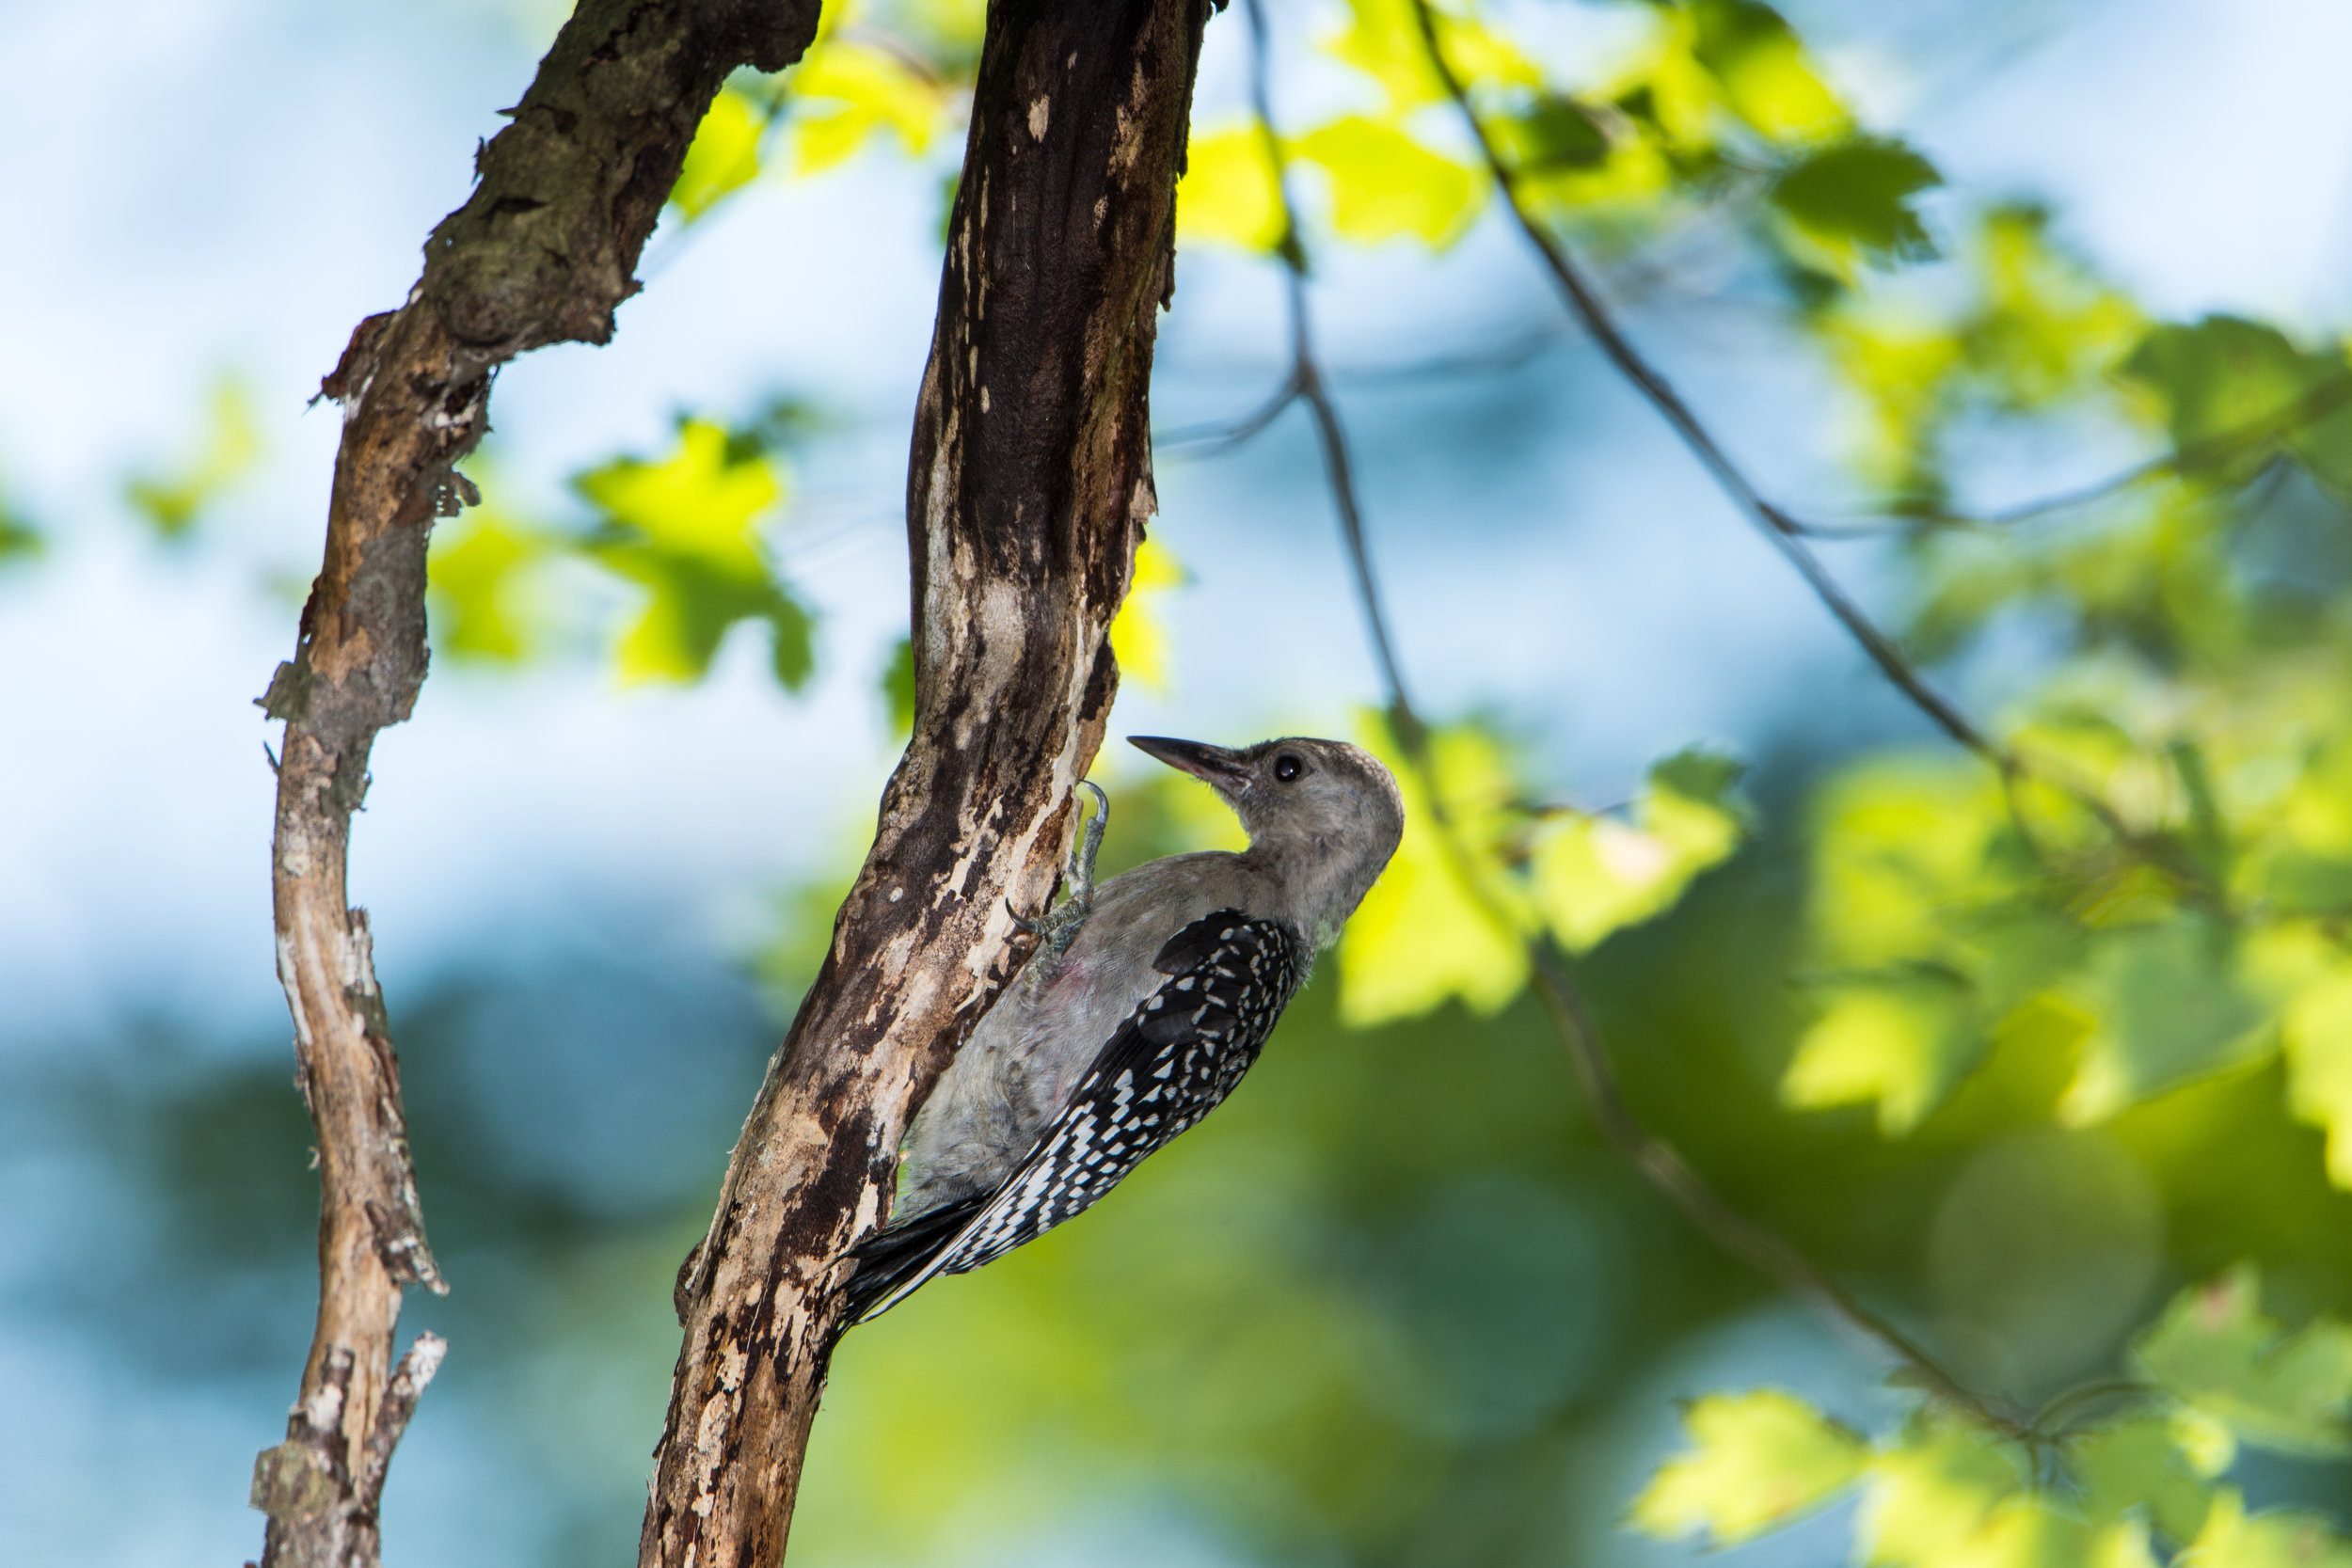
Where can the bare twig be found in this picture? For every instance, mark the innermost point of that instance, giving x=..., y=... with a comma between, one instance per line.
x=1656, y=1160
x=541, y=253
x=2327, y=398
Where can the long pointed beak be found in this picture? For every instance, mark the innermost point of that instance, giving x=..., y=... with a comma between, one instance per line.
x=1214, y=765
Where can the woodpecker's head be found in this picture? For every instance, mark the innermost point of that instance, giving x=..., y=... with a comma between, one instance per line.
x=1323, y=816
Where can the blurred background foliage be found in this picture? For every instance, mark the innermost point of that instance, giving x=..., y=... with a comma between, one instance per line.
x=2046, y=1055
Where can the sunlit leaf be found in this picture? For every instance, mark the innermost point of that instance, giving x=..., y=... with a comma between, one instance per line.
x=1138, y=637
x=1765, y=75
x=1756, y=1462
x=1383, y=42
x=1227, y=193
x=478, y=573
x=877, y=90
x=2216, y=1349
x=723, y=156
x=684, y=530
x=1901, y=1042
x=1441, y=923
x=231, y=444
x=2317, y=1036
x=1933, y=1493
x=2277, y=1538
x=2167, y=1007
x=1595, y=875
x=1385, y=184
x=1853, y=201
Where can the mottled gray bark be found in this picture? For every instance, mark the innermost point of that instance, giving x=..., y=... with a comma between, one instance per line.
x=542, y=253
x=1027, y=492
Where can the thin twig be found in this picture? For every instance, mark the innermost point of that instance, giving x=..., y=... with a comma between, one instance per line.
x=1784, y=532
x=1652, y=1157
x=2313, y=406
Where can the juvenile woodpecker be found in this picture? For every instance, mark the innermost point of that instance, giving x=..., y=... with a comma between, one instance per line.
x=1142, y=1006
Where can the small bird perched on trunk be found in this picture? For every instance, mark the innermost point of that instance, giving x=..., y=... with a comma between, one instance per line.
x=1143, y=1005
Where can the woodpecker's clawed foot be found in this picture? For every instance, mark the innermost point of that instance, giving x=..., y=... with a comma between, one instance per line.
x=1061, y=925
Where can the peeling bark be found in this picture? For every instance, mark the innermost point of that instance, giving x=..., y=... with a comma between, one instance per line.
x=542, y=252
x=1027, y=492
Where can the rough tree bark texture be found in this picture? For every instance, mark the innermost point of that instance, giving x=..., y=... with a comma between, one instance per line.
x=542, y=253
x=1027, y=492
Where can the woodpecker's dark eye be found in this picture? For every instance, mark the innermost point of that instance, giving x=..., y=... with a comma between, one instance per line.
x=1287, y=767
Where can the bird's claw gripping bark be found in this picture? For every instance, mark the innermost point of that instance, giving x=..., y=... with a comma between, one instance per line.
x=1060, y=924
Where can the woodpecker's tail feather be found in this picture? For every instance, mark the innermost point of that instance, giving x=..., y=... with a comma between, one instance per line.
x=901, y=1255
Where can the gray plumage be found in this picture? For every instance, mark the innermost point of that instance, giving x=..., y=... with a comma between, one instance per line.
x=1138, y=1014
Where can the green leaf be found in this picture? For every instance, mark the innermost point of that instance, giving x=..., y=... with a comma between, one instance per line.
x=898, y=684
x=1763, y=70
x=2142, y=1463
x=1902, y=1041
x=1227, y=193
x=2317, y=1033
x=2167, y=1007
x=1757, y=1461
x=1595, y=875
x=478, y=570
x=1139, y=638
x=1443, y=921
x=1383, y=40
x=172, y=499
x=723, y=156
x=1933, y=1492
x=1556, y=133
x=684, y=530
x=2229, y=389
x=1385, y=184
x=2276, y=1538
x=1853, y=202
x=2215, y=1350
x=877, y=90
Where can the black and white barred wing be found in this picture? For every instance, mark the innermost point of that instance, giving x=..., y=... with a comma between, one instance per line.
x=1176, y=1057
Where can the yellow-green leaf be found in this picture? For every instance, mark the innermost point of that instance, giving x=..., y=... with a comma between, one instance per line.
x=1756, y=1460
x=1763, y=71
x=1227, y=193
x=877, y=90
x=1443, y=921
x=725, y=155
x=2215, y=1350
x=1383, y=40
x=2318, y=1039
x=2153, y=1462
x=477, y=571
x=684, y=530
x=1900, y=1041
x=231, y=444
x=2272, y=1539
x=2167, y=1007
x=1139, y=636
x=1932, y=1492
x=1595, y=875
x=1385, y=184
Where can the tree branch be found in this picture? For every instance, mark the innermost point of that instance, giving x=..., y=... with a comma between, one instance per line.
x=1027, y=492
x=1657, y=1161
x=541, y=253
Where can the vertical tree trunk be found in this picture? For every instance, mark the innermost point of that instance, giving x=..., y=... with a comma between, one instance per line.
x=541, y=252
x=1027, y=491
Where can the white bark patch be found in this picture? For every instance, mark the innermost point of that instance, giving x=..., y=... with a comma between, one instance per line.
x=1040, y=112
x=983, y=399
